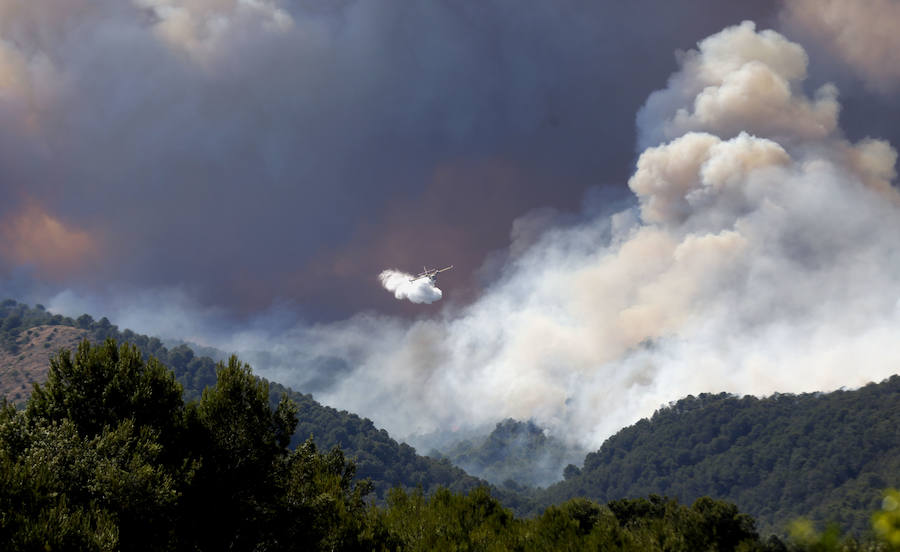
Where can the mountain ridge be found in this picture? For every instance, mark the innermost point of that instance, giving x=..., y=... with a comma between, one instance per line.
x=826, y=456
x=385, y=461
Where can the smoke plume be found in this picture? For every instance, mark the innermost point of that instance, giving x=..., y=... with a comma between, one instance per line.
x=406, y=286
x=759, y=250
x=862, y=35
x=257, y=152
x=761, y=254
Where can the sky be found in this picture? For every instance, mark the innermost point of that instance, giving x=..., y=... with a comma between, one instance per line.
x=641, y=200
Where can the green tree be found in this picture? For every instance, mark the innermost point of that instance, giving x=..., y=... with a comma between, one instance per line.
x=322, y=506
x=100, y=435
x=887, y=520
x=446, y=521
x=243, y=444
x=101, y=386
x=63, y=490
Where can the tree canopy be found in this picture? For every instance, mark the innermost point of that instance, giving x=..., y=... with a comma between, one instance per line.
x=107, y=456
x=825, y=456
x=115, y=444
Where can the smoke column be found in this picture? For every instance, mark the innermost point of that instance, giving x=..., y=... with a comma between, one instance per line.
x=404, y=286
x=761, y=253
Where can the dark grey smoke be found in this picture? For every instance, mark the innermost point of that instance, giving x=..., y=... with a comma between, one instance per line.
x=252, y=153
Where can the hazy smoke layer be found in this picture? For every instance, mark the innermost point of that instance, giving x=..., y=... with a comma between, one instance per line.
x=763, y=255
x=406, y=286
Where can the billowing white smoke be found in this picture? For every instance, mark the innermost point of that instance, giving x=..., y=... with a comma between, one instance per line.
x=406, y=286
x=763, y=255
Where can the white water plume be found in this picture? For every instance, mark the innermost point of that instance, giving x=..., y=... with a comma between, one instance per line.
x=407, y=286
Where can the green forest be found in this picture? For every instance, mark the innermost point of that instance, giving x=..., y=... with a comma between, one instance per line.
x=128, y=437
x=826, y=456
x=107, y=455
x=379, y=458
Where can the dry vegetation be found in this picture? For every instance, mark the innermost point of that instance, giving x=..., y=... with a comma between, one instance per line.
x=32, y=361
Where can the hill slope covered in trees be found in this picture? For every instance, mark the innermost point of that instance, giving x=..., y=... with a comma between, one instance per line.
x=380, y=458
x=108, y=456
x=825, y=456
x=512, y=455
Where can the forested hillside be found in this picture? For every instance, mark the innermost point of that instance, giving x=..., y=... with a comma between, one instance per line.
x=823, y=456
x=380, y=458
x=820, y=456
x=514, y=454
x=108, y=456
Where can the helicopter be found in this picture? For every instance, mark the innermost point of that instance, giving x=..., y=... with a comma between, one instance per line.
x=430, y=273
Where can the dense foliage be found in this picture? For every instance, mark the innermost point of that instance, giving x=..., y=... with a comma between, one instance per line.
x=448, y=521
x=824, y=456
x=514, y=453
x=379, y=458
x=107, y=456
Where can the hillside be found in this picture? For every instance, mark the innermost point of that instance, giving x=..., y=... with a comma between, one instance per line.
x=823, y=456
x=515, y=453
x=24, y=331
x=28, y=360
x=107, y=456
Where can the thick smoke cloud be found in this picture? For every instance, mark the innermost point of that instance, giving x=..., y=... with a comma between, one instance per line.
x=862, y=35
x=754, y=261
x=407, y=286
x=740, y=81
x=271, y=151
